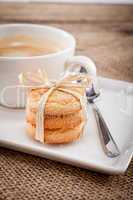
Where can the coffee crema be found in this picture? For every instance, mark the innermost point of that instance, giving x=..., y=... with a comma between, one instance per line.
x=25, y=45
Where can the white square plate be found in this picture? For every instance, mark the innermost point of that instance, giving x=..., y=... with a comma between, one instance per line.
x=86, y=152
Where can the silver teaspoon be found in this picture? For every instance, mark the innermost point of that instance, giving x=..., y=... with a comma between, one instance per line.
x=108, y=144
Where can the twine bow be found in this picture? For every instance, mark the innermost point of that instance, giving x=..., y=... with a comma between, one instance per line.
x=40, y=80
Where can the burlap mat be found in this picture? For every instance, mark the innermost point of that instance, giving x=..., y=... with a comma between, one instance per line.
x=25, y=177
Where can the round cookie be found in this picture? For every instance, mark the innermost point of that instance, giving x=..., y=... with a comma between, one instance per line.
x=57, y=122
x=58, y=136
x=59, y=102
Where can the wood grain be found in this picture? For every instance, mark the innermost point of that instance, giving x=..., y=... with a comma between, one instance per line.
x=105, y=33
x=41, y=12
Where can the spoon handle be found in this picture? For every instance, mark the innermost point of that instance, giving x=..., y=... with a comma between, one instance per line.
x=109, y=146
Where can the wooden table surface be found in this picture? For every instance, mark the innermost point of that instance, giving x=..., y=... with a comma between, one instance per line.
x=105, y=33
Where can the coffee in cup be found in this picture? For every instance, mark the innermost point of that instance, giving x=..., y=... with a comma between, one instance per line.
x=27, y=45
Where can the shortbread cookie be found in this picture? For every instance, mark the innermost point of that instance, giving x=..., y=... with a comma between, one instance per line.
x=58, y=136
x=59, y=102
x=57, y=122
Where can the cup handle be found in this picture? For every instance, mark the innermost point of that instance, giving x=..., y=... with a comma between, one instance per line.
x=83, y=61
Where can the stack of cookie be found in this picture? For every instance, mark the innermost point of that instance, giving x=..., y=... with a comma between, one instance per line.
x=64, y=115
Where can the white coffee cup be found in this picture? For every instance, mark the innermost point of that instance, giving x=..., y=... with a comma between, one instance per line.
x=11, y=67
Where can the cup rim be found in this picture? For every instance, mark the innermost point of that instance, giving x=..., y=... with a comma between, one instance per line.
x=65, y=50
